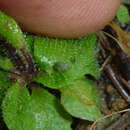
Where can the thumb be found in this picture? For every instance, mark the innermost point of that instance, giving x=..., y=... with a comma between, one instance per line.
x=61, y=18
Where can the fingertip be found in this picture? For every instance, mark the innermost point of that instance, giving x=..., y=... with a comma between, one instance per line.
x=64, y=19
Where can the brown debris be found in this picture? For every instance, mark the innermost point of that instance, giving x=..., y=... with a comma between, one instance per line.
x=113, y=77
x=121, y=123
x=123, y=37
x=115, y=101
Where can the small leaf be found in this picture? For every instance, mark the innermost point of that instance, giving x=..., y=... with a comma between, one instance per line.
x=125, y=1
x=64, y=61
x=123, y=15
x=10, y=31
x=82, y=100
x=38, y=111
x=4, y=85
x=6, y=63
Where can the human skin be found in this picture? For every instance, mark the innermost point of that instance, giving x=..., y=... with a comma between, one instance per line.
x=61, y=18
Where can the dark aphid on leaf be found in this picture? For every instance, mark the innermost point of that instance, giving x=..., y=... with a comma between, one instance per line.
x=12, y=53
x=23, y=62
x=60, y=66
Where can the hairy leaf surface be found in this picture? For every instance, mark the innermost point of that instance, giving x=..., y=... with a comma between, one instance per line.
x=4, y=85
x=64, y=61
x=10, y=31
x=38, y=111
x=82, y=99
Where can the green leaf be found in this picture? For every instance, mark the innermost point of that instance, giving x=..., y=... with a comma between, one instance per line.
x=123, y=15
x=4, y=85
x=126, y=1
x=30, y=43
x=38, y=111
x=6, y=63
x=10, y=31
x=82, y=99
x=63, y=61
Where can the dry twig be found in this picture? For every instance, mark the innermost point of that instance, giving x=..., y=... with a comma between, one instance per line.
x=121, y=123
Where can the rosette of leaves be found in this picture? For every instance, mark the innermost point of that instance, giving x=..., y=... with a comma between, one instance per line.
x=57, y=64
